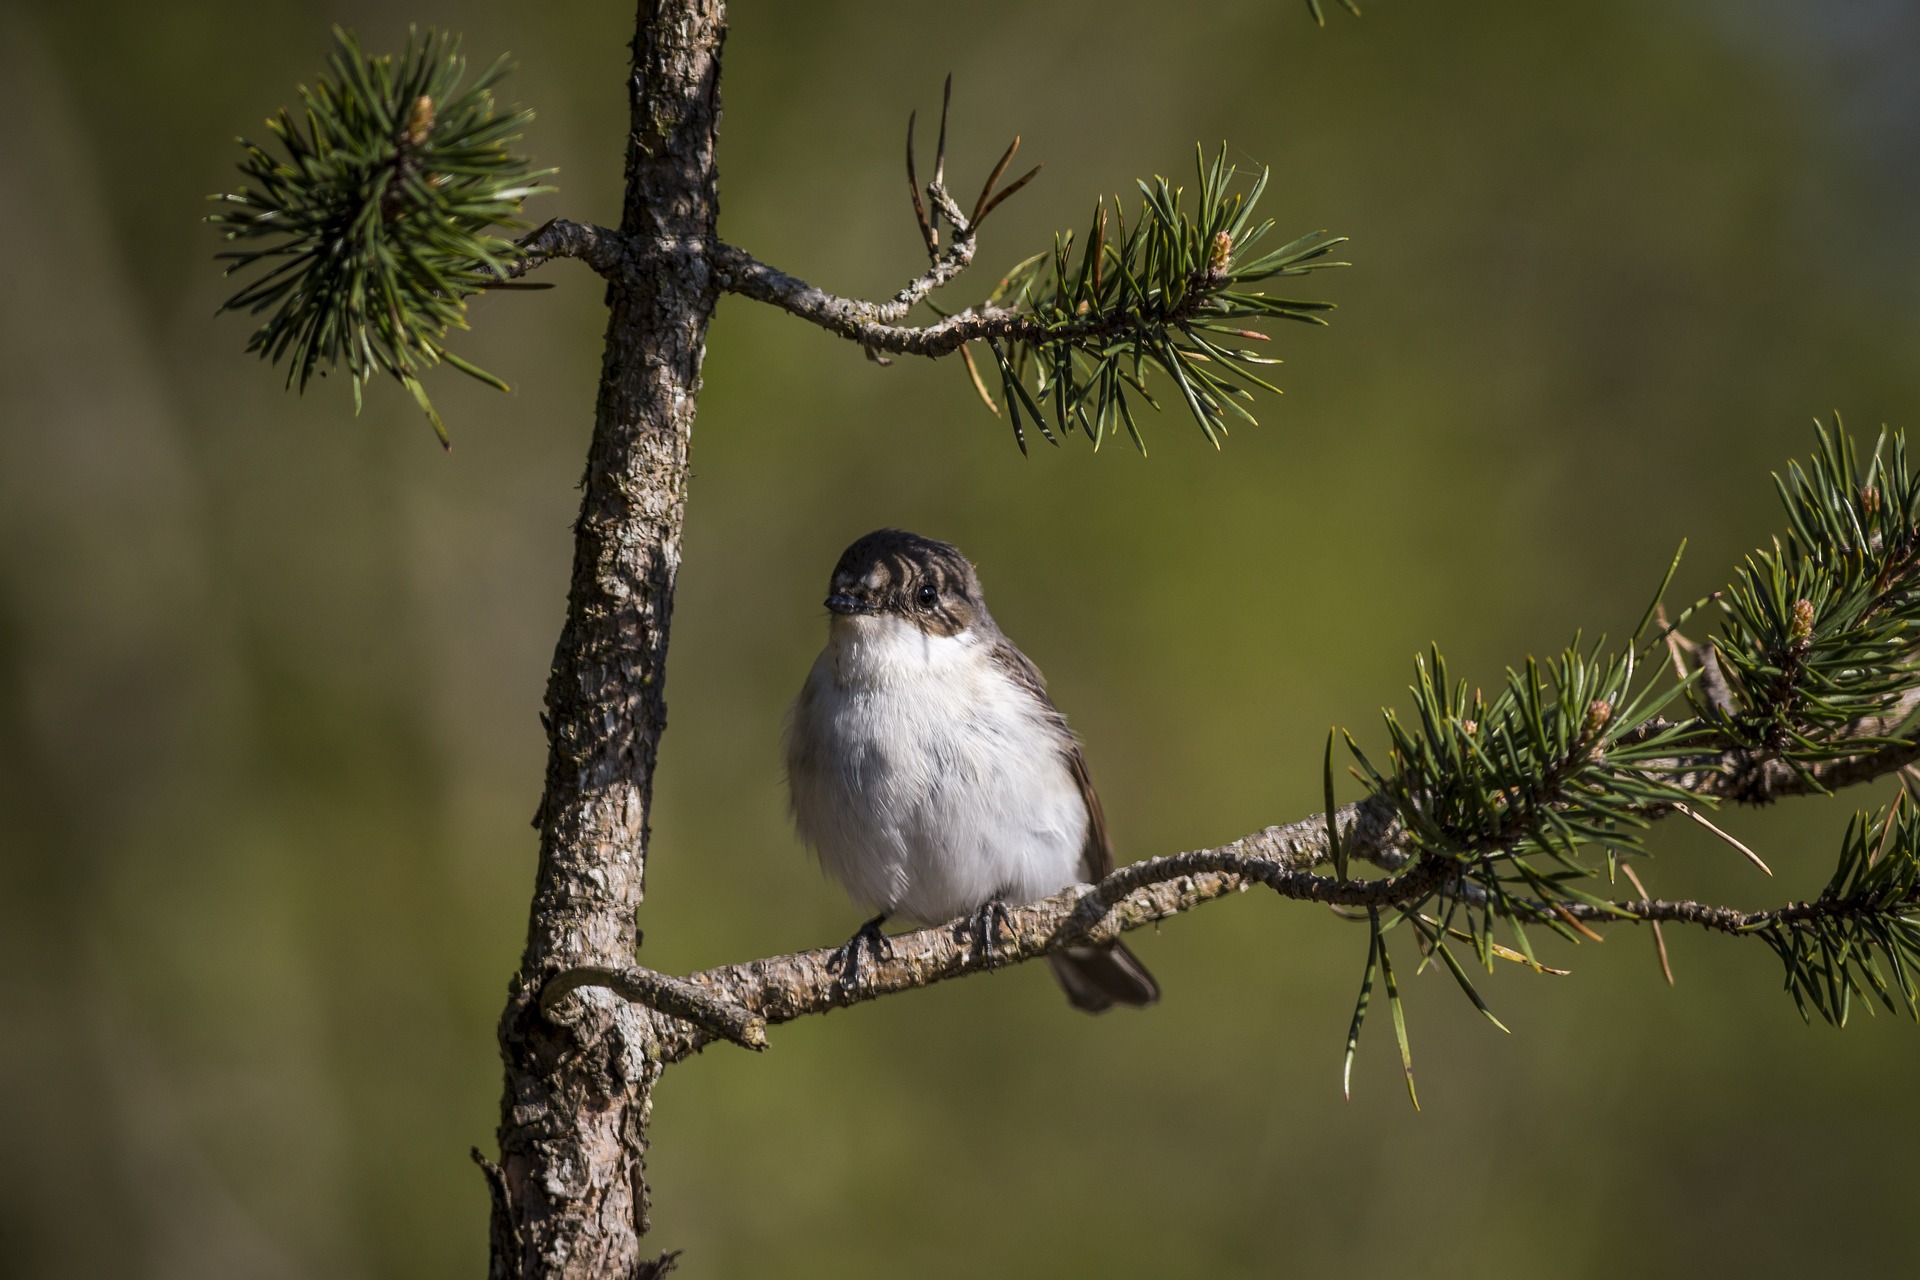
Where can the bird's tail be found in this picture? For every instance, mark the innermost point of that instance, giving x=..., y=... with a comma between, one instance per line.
x=1097, y=978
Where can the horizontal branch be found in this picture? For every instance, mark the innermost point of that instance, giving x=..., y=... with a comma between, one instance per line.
x=868, y=323
x=871, y=324
x=610, y=253
x=736, y=1002
x=1846, y=772
x=783, y=988
x=1883, y=745
x=1657, y=911
x=672, y=996
x=602, y=248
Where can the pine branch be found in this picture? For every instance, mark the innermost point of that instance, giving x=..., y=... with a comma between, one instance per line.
x=380, y=217
x=376, y=216
x=1076, y=339
x=721, y=1019
x=376, y=221
x=1871, y=905
x=1488, y=807
x=601, y=248
x=1859, y=938
x=783, y=988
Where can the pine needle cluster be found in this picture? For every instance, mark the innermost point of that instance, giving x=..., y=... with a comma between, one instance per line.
x=1523, y=800
x=1175, y=293
x=374, y=211
x=1861, y=936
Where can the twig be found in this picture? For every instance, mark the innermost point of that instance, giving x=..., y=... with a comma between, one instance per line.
x=864, y=322
x=1776, y=778
x=672, y=996
x=602, y=248
x=946, y=265
x=875, y=325
x=504, y=1227
x=660, y=1266
x=1723, y=919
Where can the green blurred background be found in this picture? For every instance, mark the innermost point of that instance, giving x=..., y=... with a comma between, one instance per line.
x=269, y=673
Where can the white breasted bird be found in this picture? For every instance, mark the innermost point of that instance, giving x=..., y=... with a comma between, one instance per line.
x=931, y=773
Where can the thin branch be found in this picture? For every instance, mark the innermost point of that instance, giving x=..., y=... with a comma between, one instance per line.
x=958, y=256
x=1717, y=919
x=783, y=988
x=948, y=265
x=866, y=322
x=875, y=325
x=506, y=1241
x=1775, y=778
x=719, y=1018
x=602, y=248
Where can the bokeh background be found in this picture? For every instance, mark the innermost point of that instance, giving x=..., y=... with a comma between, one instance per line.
x=269, y=673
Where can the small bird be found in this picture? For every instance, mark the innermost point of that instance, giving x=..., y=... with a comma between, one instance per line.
x=931, y=773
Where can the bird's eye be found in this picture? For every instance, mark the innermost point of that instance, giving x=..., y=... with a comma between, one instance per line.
x=929, y=594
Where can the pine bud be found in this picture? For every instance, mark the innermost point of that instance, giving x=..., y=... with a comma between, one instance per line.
x=1802, y=626
x=420, y=123
x=1470, y=726
x=1220, y=254
x=1598, y=713
x=1870, y=500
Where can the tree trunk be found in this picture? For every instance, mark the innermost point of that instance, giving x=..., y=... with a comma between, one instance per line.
x=570, y=1194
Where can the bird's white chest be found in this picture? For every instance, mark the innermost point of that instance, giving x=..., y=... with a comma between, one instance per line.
x=926, y=779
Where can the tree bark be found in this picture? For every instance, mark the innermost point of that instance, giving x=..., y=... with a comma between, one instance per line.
x=570, y=1193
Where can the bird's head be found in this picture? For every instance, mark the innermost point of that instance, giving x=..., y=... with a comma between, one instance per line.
x=894, y=574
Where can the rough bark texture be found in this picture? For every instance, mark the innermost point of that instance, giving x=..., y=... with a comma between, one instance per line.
x=569, y=1191
x=570, y=1195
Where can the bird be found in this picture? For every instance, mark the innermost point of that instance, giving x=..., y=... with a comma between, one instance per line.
x=931, y=774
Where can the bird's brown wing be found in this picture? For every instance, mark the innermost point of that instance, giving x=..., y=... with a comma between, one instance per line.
x=1096, y=858
x=1098, y=977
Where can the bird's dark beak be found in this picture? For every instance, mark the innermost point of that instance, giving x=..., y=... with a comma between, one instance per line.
x=843, y=603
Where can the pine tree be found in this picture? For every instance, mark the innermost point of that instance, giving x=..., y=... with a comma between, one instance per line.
x=393, y=195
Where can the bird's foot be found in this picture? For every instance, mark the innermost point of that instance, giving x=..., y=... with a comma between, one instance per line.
x=988, y=921
x=845, y=959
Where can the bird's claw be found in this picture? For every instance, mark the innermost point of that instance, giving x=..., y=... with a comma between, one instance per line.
x=987, y=924
x=845, y=959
